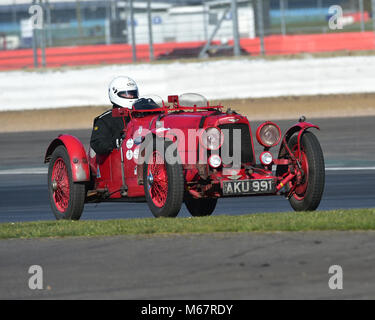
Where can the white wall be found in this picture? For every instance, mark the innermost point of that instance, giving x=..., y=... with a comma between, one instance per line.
x=220, y=79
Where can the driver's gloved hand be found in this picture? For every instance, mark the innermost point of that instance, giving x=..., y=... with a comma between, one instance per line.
x=118, y=141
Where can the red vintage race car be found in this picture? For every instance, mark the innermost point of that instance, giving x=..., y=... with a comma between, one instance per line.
x=186, y=151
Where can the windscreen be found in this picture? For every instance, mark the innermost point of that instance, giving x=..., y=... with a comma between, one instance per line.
x=192, y=99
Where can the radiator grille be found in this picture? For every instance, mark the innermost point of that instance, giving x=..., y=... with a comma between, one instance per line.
x=246, y=145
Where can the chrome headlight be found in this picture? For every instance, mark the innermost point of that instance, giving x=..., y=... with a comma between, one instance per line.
x=268, y=134
x=214, y=161
x=266, y=158
x=212, y=138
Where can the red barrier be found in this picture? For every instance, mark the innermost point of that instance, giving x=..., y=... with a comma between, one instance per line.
x=87, y=55
x=357, y=16
x=294, y=44
x=122, y=53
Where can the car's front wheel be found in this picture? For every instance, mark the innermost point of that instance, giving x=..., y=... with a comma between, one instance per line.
x=67, y=197
x=163, y=183
x=308, y=192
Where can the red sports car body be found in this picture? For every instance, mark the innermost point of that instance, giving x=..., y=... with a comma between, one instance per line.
x=188, y=152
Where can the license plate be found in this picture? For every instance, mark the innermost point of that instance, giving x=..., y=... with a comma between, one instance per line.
x=240, y=187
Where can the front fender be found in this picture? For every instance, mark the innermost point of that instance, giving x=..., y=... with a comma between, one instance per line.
x=300, y=127
x=77, y=154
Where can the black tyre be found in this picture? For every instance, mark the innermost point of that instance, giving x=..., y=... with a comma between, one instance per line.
x=67, y=198
x=308, y=193
x=199, y=207
x=163, y=182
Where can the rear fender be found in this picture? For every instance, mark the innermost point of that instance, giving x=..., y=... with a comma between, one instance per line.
x=78, y=158
x=299, y=127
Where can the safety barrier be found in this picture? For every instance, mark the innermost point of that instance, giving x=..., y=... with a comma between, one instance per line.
x=122, y=53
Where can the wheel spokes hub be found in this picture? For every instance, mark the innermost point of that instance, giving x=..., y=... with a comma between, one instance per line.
x=54, y=185
x=157, y=180
x=303, y=173
x=150, y=179
x=60, y=185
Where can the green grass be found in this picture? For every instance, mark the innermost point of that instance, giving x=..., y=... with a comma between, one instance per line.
x=356, y=219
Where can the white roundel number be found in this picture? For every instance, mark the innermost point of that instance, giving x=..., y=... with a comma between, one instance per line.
x=129, y=154
x=130, y=143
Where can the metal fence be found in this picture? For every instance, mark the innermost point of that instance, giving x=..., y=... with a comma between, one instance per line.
x=87, y=31
x=306, y=17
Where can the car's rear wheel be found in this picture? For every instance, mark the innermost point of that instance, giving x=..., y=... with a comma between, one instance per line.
x=200, y=207
x=308, y=192
x=163, y=183
x=67, y=197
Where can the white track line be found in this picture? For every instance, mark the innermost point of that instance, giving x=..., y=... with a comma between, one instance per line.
x=24, y=171
x=349, y=168
x=45, y=170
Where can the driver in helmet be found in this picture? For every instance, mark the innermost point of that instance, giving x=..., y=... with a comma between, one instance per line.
x=107, y=132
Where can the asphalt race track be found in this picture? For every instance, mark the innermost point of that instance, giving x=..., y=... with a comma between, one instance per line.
x=222, y=266
x=344, y=189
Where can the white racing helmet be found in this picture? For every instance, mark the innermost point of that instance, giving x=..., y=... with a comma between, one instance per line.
x=123, y=92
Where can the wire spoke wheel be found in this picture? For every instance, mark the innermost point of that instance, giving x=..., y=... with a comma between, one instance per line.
x=60, y=185
x=308, y=189
x=67, y=197
x=301, y=187
x=158, y=179
x=163, y=183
